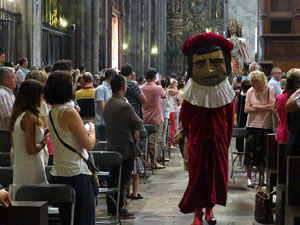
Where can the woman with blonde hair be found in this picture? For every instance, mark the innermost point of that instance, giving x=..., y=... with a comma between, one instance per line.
x=28, y=136
x=260, y=100
x=41, y=76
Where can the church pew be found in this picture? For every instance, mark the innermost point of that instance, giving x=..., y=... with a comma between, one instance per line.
x=281, y=186
x=271, y=169
x=292, y=207
x=24, y=213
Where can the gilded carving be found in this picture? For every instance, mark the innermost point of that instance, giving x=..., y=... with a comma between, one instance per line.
x=197, y=6
x=186, y=18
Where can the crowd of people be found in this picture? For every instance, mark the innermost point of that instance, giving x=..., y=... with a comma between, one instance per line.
x=265, y=105
x=44, y=111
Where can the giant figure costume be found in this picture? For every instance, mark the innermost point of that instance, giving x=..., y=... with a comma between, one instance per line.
x=207, y=116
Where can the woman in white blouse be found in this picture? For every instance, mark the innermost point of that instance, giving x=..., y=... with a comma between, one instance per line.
x=28, y=136
x=69, y=167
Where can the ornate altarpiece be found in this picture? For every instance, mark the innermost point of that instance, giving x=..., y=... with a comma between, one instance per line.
x=186, y=18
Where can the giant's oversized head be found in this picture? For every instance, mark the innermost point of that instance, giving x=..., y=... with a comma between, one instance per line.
x=209, y=58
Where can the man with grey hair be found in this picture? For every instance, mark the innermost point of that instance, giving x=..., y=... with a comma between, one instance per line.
x=274, y=82
x=7, y=99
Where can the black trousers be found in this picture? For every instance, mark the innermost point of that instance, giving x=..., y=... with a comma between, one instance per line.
x=127, y=167
x=85, y=200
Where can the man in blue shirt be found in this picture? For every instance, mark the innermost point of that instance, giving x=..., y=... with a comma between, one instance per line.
x=22, y=71
x=274, y=82
x=102, y=95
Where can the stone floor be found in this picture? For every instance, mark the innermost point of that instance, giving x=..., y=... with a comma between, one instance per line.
x=163, y=191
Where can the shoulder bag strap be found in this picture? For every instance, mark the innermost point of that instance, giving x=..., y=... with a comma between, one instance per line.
x=65, y=144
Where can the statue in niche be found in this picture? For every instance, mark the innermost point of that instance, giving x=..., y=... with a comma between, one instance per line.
x=239, y=55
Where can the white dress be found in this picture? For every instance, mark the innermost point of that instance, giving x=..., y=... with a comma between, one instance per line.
x=28, y=169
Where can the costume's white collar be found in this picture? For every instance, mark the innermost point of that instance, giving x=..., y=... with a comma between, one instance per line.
x=208, y=96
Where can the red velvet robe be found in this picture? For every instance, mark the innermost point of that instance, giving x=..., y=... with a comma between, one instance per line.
x=208, y=131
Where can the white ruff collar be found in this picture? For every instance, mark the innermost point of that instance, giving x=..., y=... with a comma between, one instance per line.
x=208, y=96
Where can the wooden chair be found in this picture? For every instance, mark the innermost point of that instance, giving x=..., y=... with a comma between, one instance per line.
x=271, y=169
x=25, y=213
x=57, y=195
x=292, y=208
x=281, y=186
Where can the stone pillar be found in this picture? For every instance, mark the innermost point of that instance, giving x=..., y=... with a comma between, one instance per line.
x=36, y=55
x=102, y=34
x=159, y=35
x=81, y=34
x=137, y=28
x=30, y=31
x=88, y=34
x=148, y=35
x=95, y=37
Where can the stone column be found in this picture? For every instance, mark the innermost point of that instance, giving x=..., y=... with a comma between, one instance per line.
x=36, y=33
x=88, y=35
x=147, y=39
x=136, y=34
x=30, y=31
x=159, y=36
x=81, y=32
x=95, y=37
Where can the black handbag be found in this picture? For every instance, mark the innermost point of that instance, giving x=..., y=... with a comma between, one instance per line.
x=263, y=211
x=90, y=165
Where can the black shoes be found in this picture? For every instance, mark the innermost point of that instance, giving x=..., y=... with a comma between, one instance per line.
x=124, y=214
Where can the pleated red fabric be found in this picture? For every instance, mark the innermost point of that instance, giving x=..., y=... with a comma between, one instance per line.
x=208, y=131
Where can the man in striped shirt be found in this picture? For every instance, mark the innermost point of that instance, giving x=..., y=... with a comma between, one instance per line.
x=133, y=94
x=7, y=99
